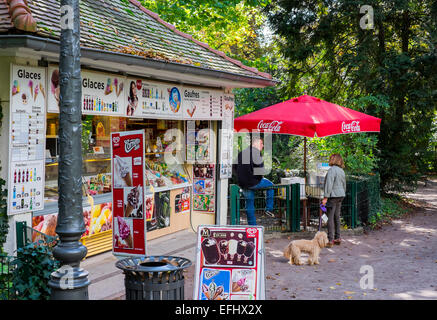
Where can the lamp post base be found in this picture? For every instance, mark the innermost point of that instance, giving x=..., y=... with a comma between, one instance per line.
x=69, y=283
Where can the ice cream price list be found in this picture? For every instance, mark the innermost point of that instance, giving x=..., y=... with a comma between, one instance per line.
x=27, y=139
x=229, y=263
x=129, y=228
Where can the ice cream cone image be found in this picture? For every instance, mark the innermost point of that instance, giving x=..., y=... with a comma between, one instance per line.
x=124, y=231
x=31, y=87
x=128, y=179
x=129, y=210
x=41, y=88
x=129, y=241
x=123, y=171
x=108, y=89
x=15, y=88
x=36, y=93
x=120, y=89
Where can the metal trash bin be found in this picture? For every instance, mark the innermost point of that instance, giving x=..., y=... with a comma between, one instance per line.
x=154, y=277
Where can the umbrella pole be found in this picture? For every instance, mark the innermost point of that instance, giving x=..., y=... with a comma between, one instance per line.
x=305, y=158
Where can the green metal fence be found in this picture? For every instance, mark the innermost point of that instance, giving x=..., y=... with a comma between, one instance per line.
x=294, y=213
x=286, y=212
x=6, y=269
x=26, y=234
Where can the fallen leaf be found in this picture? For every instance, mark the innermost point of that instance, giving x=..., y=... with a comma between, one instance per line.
x=278, y=274
x=332, y=288
x=338, y=284
x=331, y=260
x=319, y=289
x=349, y=292
x=349, y=297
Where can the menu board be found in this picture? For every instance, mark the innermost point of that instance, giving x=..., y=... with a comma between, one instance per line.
x=229, y=263
x=102, y=94
x=27, y=139
x=129, y=226
x=198, y=143
x=148, y=99
x=227, y=137
x=204, y=187
x=202, y=104
x=196, y=104
x=216, y=105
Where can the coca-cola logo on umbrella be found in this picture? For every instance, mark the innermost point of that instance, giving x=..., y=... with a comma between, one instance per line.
x=274, y=126
x=353, y=126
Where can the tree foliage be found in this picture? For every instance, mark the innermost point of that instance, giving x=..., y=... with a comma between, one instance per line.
x=230, y=26
x=389, y=70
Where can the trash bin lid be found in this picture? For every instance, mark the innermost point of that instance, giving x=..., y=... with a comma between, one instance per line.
x=153, y=264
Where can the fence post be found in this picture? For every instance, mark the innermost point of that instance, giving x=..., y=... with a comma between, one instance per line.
x=295, y=198
x=288, y=209
x=354, y=204
x=235, y=204
x=20, y=228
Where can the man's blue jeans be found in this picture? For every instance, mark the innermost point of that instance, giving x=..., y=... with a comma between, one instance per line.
x=249, y=194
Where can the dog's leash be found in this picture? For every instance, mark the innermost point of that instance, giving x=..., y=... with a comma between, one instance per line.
x=323, y=208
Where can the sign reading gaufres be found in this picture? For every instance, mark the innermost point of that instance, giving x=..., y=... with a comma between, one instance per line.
x=353, y=126
x=273, y=126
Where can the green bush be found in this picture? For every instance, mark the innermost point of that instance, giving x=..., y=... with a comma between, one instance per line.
x=391, y=208
x=33, y=266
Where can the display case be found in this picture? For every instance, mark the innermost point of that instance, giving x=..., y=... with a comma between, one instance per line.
x=96, y=168
x=164, y=154
x=162, y=176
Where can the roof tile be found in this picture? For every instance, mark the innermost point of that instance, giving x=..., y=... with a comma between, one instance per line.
x=128, y=27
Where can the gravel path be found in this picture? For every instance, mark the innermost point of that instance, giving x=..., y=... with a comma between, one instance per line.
x=402, y=257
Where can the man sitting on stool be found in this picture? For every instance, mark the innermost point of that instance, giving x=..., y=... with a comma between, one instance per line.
x=250, y=171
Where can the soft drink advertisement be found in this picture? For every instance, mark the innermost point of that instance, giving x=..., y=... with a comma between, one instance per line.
x=129, y=229
x=229, y=264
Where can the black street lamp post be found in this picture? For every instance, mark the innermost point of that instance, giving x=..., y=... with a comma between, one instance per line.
x=70, y=282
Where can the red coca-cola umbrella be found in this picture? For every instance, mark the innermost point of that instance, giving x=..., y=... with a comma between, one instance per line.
x=307, y=116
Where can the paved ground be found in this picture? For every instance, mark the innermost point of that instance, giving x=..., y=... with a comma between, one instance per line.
x=402, y=256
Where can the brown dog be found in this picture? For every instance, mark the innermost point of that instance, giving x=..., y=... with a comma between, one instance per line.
x=313, y=247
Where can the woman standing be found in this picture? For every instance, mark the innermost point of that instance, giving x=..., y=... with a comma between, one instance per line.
x=334, y=191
